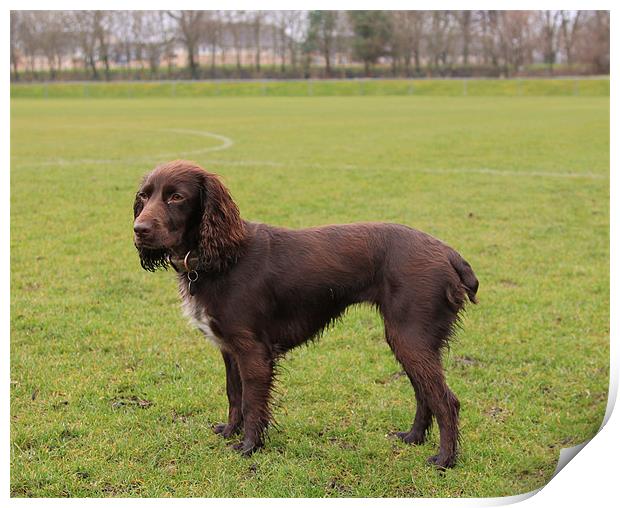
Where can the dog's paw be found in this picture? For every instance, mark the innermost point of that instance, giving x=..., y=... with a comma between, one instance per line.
x=441, y=462
x=246, y=448
x=414, y=438
x=225, y=430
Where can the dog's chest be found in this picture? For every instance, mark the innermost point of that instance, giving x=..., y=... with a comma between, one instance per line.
x=198, y=317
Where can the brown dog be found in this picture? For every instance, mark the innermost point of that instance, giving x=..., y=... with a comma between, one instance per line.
x=258, y=291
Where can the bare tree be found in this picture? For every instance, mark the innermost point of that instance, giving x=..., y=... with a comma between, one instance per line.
x=465, y=24
x=158, y=37
x=257, y=22
x=417, y=24
x=126, y=34
x=234, y=21
x=28, y=36
x=83, y=22
x=408, y=29
x=271, y=22
x=296, y=24
x=516, y=39
x=102, y=21
x=15, y=52
x=440, y=38
x=52, y=39
x=549, y=22
x=570, y=25
x=146, y=37
x=398, y=47
x=602, y=31
x=592, y=42
x=280, y=27
x=489, y=35
x=190, y=25
x=213, y=35
x=223, y=27
x=169, y=53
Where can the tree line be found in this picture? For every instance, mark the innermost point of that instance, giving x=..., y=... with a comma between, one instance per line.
x=303, y=44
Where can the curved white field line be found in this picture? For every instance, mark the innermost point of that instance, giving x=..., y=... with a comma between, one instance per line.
x=226, y=143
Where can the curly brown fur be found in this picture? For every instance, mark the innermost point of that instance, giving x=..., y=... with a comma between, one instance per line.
x=221, y=230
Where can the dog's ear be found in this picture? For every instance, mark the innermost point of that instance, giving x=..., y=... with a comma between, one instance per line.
x=221, y=228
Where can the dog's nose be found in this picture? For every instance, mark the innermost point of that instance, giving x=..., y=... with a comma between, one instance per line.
x=142, y=228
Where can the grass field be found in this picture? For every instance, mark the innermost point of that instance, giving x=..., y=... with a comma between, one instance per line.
x=590, y=87
x=113, y=394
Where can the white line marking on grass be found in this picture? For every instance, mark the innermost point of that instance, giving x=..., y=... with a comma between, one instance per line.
x=226, y=143
x=508, y=172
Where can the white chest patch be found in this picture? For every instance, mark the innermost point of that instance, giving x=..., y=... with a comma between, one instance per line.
x=198, y=317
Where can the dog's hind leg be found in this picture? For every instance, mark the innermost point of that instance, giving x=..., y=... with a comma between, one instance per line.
x=422, y=421
x=422, y=363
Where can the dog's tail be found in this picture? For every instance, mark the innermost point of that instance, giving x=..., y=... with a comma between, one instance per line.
x=465, y=273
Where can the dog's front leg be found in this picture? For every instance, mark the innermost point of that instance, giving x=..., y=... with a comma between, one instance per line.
x=233, y=391
x=256, y=369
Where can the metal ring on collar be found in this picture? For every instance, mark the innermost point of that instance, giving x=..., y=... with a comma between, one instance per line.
x=185, y=261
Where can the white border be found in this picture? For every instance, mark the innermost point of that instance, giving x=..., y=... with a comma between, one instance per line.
x=590, y=479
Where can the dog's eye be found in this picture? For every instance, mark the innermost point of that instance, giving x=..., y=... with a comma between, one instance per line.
x=175, y=197
x=142, y=195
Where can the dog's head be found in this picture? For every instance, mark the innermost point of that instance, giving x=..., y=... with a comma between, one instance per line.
x=181, y=207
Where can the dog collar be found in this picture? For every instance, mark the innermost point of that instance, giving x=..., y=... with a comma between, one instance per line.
x=189, y=265
x=185, y=264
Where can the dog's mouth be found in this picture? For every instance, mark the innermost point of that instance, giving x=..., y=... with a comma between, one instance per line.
x=152, y=258
x=142, y=242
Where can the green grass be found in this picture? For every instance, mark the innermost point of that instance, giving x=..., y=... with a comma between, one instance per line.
x=317, y=88
x=113, y=394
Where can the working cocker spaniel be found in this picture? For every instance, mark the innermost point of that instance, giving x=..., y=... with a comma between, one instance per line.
x=258, y=291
